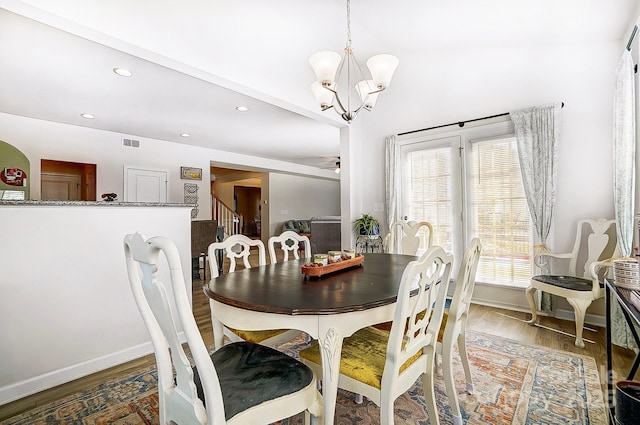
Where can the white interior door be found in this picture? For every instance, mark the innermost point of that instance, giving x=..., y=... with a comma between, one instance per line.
x=145, y=185
x=60, y=187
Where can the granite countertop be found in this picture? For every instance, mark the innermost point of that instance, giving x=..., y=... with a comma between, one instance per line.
x=92, y=204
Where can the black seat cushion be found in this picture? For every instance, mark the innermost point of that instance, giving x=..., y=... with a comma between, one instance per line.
x=251, y=374
x=567, y=282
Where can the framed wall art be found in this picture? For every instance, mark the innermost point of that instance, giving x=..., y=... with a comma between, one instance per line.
x=190, y=173
x=13, y=176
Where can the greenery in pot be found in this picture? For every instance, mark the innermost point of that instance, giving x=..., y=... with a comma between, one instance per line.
x=366, y=225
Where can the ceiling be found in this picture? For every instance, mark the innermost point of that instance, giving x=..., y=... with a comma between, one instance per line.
x=193, y=66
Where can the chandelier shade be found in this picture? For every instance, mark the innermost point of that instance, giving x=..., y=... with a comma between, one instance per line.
x=329, y=66
x=382, y=68
x=324, y=97
x=325, y=65
x=368, y=95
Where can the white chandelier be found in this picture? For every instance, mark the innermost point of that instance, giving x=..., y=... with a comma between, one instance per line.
x=329, y=66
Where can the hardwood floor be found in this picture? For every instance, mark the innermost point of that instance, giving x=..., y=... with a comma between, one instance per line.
x=504, y=323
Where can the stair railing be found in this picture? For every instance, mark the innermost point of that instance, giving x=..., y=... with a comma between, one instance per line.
x=233, y=222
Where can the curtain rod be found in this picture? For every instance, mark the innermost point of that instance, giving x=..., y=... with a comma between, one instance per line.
x=459, y=123
x=633, y=35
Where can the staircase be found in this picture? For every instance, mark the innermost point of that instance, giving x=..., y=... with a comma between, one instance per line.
x=225, y=216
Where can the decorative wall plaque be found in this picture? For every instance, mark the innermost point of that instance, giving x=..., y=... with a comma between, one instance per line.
x=190, y=173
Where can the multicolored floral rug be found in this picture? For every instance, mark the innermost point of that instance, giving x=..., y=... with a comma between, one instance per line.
x=514, y=383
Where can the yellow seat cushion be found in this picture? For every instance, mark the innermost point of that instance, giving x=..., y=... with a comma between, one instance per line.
x=445, y=316
x=363, y=356
x=257, y=336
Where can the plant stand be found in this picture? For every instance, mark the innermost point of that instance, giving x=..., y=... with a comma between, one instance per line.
x=369, y=243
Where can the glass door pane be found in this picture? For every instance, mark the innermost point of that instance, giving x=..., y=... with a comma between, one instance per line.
x=432, y=191
x=499, y=215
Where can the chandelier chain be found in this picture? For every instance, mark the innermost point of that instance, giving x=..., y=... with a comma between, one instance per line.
x=348, y=24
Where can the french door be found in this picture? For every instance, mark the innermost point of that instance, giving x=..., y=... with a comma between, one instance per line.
x=432, y=189
x=469, y=185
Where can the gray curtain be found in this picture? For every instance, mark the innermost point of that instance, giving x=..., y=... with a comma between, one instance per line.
x=538, y=135
x=624, y=153
x=392, y=172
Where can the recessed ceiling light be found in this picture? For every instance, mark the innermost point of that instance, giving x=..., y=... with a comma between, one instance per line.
x=185, y=135
x=123, y=72
x=87, y=116
x=242, y=108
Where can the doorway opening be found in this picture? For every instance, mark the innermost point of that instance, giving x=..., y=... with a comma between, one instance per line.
x=247, y=204
x=67, y=181
x=236, y=201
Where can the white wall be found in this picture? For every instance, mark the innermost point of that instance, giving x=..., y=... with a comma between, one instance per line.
x=66, y=303
x=468, y=84
x=297, y=197
x=460, y=85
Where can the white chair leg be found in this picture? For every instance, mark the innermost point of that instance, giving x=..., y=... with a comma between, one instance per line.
x=359, y=399
x=386, y=409
x=429, y=393
x=447, y=373
x=579, y=310
x=464, y=359
x=530, y=292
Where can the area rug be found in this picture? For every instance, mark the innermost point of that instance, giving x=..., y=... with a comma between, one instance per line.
x=514, y=383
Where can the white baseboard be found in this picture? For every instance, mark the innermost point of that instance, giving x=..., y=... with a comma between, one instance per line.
x=589, y=319
x=18, y=390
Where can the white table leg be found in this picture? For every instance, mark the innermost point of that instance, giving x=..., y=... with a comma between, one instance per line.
x=218, y=330
x=331, y=347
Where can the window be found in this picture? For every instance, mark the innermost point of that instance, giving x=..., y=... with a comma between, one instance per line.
x=498, y=212
x=468, y=184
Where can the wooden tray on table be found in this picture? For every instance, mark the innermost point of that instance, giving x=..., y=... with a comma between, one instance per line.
x=310, y=270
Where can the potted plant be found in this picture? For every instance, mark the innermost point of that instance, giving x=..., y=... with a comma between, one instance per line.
x=366, y=225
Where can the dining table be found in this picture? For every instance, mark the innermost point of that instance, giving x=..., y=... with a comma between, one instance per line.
x=328, y=307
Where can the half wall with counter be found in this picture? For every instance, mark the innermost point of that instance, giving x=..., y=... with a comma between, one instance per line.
x=65, y=303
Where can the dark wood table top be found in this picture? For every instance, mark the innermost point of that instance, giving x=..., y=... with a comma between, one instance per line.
x=282, y=288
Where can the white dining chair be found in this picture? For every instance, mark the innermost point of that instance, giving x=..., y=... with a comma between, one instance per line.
x=409, y=237
x=453, y=328
x=579, y=281
x=241, y=383
x=289, y=242
x=239, y=247
x=454, y=325
x=383, y=365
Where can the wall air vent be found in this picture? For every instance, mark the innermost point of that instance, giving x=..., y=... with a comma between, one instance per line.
x=131, y=142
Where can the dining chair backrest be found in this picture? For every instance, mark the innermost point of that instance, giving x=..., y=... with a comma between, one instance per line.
x=454, y=326
x=178, y=398
x=595, y=240
x=409, y=238
x=236, y=247
x=465, y=282
x=419, y=310
x=289, y=243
